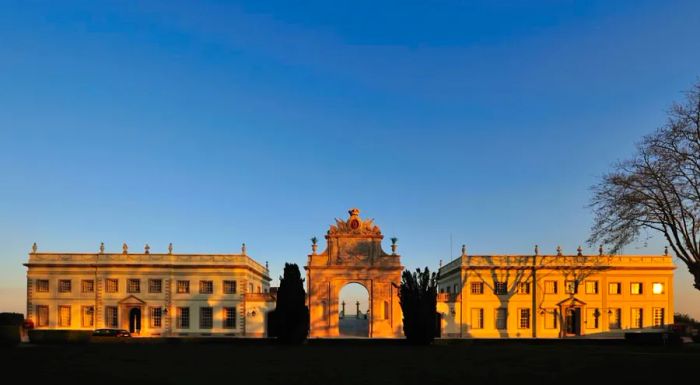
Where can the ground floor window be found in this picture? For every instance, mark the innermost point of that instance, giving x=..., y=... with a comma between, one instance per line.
x=551, y=319
x=206, y=318
x=111, y=316
x=524, y=322
x=592, y=317
x=477, y=318
x=156, y=317
x=637, y=318
x=658, y=314
x=614, y=318
x=88, y=316
x=501, y=318
x=230, y=317
x=42, y=316
x=64, y=316
x=183, y=318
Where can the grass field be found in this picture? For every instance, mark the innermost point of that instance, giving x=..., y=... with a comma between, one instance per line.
x=347, y=362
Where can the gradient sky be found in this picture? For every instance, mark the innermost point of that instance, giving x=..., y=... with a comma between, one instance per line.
x=208, y=124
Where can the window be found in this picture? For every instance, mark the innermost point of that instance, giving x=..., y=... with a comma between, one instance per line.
x=112, y=285
x=250, y=288
x=614, y=288
x=111, y=316
x=206, y=287
x=156, y=317
x=477, y=318
x=570, y=287
x=500, y=288
x=42, y=316
x=183, y=318
x=260, y=289
x=591, y=287
x=87, y=286
x=477, y=288
x=614, y=318
x=454, y=289
x=88, y=316
x=524, y=321
x=658, y=315
x=64, y=285
x=64, y=316
x=501, y=318
x=550, y=287
x=155, y=285
x=205, y=317
x=636, y=288
x=637, y=317
x=386, y=309
x=657, y=288
x=133, y=285
x=183, y=287
x=229, y=318
x=229, y=287
x=551, y=318
x=592, y=318
x=42, y=285
x=524, y=288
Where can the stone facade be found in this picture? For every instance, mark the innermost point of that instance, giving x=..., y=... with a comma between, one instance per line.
x=554, y=296
x=354, y=255
x=149, y=294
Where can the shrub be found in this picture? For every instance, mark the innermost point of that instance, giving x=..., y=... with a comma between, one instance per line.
x=43, y=336
x=418, y=300
x=10, y=325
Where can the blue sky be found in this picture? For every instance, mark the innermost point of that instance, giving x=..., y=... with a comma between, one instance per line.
x=209, y=124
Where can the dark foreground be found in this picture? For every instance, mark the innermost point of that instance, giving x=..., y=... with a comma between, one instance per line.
x=347, y=362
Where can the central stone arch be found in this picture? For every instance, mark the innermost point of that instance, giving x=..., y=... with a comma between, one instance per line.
x=354, y=255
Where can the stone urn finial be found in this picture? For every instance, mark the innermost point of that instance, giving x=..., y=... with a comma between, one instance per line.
x=579, y=251
x=102, y=247
x=393, y=244
x=665, y=250
x=147, y=249
x=558, y=250
x=267, y=266
x=537, y=250
x=125, y=248
x=464, y=250
x=34, y=248
x=600, y=250
x=314, y=245
x=243, y=249
x=170, y=248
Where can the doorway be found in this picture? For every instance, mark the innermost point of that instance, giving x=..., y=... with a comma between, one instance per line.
x=573, y=321
x=354, y=315
x=135, y=320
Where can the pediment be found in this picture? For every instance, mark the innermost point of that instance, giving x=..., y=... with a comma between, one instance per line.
x=572, y=301
x=131, y=300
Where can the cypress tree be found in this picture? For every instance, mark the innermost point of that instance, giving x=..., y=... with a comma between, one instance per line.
x=290, y=319
x=418, y=300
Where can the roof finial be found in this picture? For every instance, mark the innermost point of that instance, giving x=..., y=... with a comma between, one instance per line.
x=267, y=267
x=558, y=250
x=600, y=250
x=170, y=248
x=125, y=248
x=666, y=250
x=441, y=263
x=243, y=249
x=537, y=250
x=579, y=251
x=147, y=249
x=102, y=247
x=464, y=249
x=34, y=248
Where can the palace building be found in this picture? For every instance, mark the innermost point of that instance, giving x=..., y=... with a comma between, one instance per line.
x=149, y=294
x=553, y=296
x=480, y=296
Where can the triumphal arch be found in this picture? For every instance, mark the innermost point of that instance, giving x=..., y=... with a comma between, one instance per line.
x=354, y=255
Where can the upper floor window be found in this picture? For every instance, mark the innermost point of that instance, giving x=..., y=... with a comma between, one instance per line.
x=112, y=285
x=155, y=285
x=500, y=288
x=206, y=287
x=636, y=288
x=571, y=287
x=64, y=285
x=183, y=287
x=524, y=288
x=133, y=285
x=250, y=288
x=477, y=288
x=87, y=286
x=591, y=287
x=550, y=287
x=614, y=288
x=42, y=285
x=229, y=287
x=657, y=288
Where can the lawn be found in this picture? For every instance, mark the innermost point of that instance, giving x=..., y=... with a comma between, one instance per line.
x=347, y=362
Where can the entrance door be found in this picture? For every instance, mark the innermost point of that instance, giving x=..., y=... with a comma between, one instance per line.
x=573, y=321
x=135, y=320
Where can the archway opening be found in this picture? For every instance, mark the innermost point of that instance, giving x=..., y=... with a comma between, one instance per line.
x=354, y=316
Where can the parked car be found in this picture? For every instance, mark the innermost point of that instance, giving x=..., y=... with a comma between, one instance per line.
x=111, y=333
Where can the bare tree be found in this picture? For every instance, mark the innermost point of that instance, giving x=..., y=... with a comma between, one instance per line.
x=658, y=189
